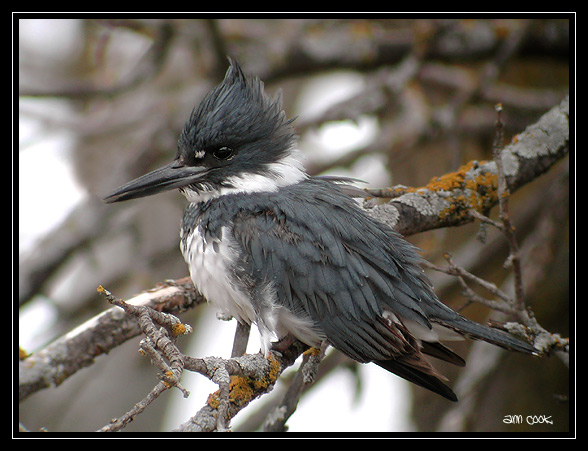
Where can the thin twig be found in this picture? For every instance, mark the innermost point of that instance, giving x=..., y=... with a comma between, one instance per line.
x=543, y=340
x=460, y=273
x=240, y=379
x=507, y=228
x=159, y=345
x=485, y=219
x=119, y=423
x=306, y=374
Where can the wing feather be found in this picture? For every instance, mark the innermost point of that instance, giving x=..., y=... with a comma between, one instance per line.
x=355, y=279
x=328, y=260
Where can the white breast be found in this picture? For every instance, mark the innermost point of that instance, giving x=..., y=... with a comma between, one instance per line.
x=209, y=263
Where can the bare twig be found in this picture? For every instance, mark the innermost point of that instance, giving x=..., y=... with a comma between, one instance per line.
x=513, y=306
x=447, y=200
x=502, y=305
x=99, y=335
x=119, y=423
x=507, y=226
x=159, y=345
x=240, y=379
x=251, y=376
x=277, y=418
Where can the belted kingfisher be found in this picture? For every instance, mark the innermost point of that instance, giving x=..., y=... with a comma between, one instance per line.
x=294, y=254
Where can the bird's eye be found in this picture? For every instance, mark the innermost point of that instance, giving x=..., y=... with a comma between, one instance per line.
x=223, y=153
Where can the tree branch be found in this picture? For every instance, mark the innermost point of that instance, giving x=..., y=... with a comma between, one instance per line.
x=251, y=376
x=99, y=335
x=512, y=305
x=447, y=200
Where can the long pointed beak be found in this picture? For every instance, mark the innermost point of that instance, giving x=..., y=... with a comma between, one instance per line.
x=170, y=176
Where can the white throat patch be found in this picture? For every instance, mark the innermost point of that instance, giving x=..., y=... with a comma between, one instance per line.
x=287, y=171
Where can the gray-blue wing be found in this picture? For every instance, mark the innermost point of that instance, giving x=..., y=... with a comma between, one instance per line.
x=329, y=261
x=357, y=280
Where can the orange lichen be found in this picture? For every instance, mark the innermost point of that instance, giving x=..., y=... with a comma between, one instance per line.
x=313, y=351
x=478, y=189
x=179, y=329
x=272, y=376
x=240, y=390
x=22, y=354
x=243, y=390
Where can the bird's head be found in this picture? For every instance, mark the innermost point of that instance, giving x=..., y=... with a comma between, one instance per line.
x=237, y=140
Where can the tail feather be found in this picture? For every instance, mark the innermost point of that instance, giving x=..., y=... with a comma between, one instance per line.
x=442, y=352
x=416, y=369
x=494, y=336
x=420, y=378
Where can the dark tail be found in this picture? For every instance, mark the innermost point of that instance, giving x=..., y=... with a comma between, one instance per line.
x=425, y=380
x=494, y=336
x=420, y=373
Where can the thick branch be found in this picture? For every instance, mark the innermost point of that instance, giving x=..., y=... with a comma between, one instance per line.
x=252, y=375
x=447, y=200
x=102, y=333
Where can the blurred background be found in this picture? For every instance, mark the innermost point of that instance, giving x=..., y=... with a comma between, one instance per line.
x=388, y=101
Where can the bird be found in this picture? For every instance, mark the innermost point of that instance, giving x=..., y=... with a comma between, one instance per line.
x=268, y=244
